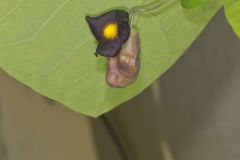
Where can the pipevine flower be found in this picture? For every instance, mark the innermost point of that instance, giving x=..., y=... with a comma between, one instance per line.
x=111, y=29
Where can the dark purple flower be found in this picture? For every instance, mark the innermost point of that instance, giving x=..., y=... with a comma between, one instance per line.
x=111, y=29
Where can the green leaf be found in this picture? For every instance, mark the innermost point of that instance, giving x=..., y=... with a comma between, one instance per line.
x=191, y=3
x=48, y=46
x=232, y=12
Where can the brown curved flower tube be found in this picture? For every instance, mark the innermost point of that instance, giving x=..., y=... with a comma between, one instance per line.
x=122, y=70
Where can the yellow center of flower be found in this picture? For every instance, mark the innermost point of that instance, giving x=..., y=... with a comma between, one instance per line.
x=110, y=31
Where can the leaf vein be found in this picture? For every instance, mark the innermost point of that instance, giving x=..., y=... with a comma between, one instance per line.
x=11, y=12
x=35, y=35
x=59, y=62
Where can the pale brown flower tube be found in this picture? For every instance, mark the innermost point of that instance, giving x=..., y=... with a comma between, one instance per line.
x=122, y=70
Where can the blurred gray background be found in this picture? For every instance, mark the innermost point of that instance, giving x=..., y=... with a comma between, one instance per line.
x=191, y=113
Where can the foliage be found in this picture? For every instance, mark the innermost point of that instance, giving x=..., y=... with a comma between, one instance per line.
x=232, y=12
x=190, y=3
x=48, y=46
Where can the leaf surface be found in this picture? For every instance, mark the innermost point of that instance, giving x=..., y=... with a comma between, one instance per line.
x=48, y=46
x=232, y=12
x=190, y=3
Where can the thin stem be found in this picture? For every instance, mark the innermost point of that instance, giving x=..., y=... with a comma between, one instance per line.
x=113, y=133
x=145, y=8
